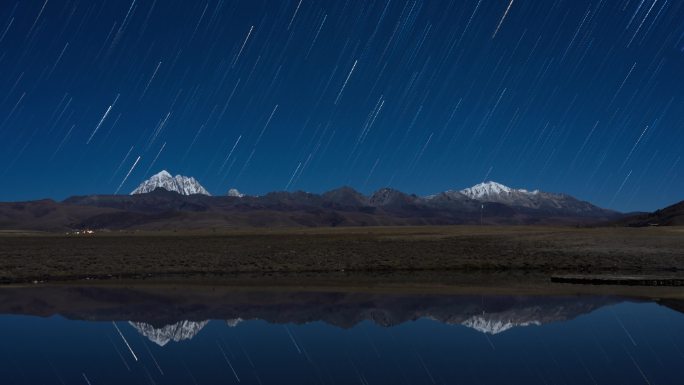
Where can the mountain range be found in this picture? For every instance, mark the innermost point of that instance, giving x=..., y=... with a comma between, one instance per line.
x=491, y=316
x=179, y=202
x=165, y=316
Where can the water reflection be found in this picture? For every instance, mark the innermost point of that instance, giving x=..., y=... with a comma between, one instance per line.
x=169, y=336
x=180, y=331
x=485, y=314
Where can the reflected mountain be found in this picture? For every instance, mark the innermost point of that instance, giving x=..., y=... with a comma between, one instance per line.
x=251, y=335
x=485, y=314
x=495, y=326
x=180, y=331
x=491, y=315
x=234, y=322
x=178, y=314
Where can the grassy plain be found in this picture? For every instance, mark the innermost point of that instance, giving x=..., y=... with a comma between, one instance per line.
x=359, y=255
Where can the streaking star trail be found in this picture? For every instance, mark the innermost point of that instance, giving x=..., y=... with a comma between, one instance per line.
x=416, y=95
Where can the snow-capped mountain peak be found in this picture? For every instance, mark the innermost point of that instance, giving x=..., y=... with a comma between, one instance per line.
x=162, y=174
x=180, y=331
x=235, y=193
x=181, y=184
x=489, y=189
x=233, y=322
x=492, y=326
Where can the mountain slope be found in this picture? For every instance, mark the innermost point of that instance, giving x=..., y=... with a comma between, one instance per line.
x=46, y=215
x=669, y=216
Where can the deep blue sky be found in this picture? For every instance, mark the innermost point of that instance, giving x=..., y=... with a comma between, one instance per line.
x=582, y=97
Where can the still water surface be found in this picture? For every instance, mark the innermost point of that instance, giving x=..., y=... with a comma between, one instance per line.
x=418, y=340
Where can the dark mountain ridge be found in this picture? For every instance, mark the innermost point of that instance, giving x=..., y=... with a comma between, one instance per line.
x=162, y=209
x=669, y=216
x=490, y=314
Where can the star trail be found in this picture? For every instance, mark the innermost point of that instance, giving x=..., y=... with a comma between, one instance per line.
x=581, y=97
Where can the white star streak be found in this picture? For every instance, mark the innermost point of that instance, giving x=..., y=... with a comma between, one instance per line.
x=502, y=19
x=114, y=323
x=150, y=81
x=116, y=192
x=103, y=119
x=63, y=141
x=228, y=361
x=294, y=15
x=99, y=124
x=266, y=125
x=620, y=189
x=121, y=164
x=642, y=23
x=36, y=21
x=469, y=21
x=230, y=153
x=243, y=46
x=155, y=158
x=287, y=186
x=6, y=29
x=345, y=82
x=634, y=147
x=315, y=37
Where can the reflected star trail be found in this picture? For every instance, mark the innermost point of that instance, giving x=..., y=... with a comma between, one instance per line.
x=581, y=97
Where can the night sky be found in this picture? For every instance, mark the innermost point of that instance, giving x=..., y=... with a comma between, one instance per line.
x=581, y=97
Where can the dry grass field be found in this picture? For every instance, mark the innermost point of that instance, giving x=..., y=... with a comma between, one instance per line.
x=405, y=252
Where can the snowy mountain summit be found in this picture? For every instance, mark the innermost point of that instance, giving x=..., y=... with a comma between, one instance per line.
x=538, y=200
x=181, y=184
x=235, y=193
x=484, y=191
x=180, y=331
x=493, y=325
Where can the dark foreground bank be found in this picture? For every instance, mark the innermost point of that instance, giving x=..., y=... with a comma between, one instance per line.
x=365, y=252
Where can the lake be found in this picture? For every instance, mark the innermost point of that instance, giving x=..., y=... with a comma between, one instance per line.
x=103, y=337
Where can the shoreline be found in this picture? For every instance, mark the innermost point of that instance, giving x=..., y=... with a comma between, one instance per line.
x=165, y=303
x=289, y=278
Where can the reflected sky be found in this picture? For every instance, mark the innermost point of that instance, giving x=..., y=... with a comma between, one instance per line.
x=565, y=341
